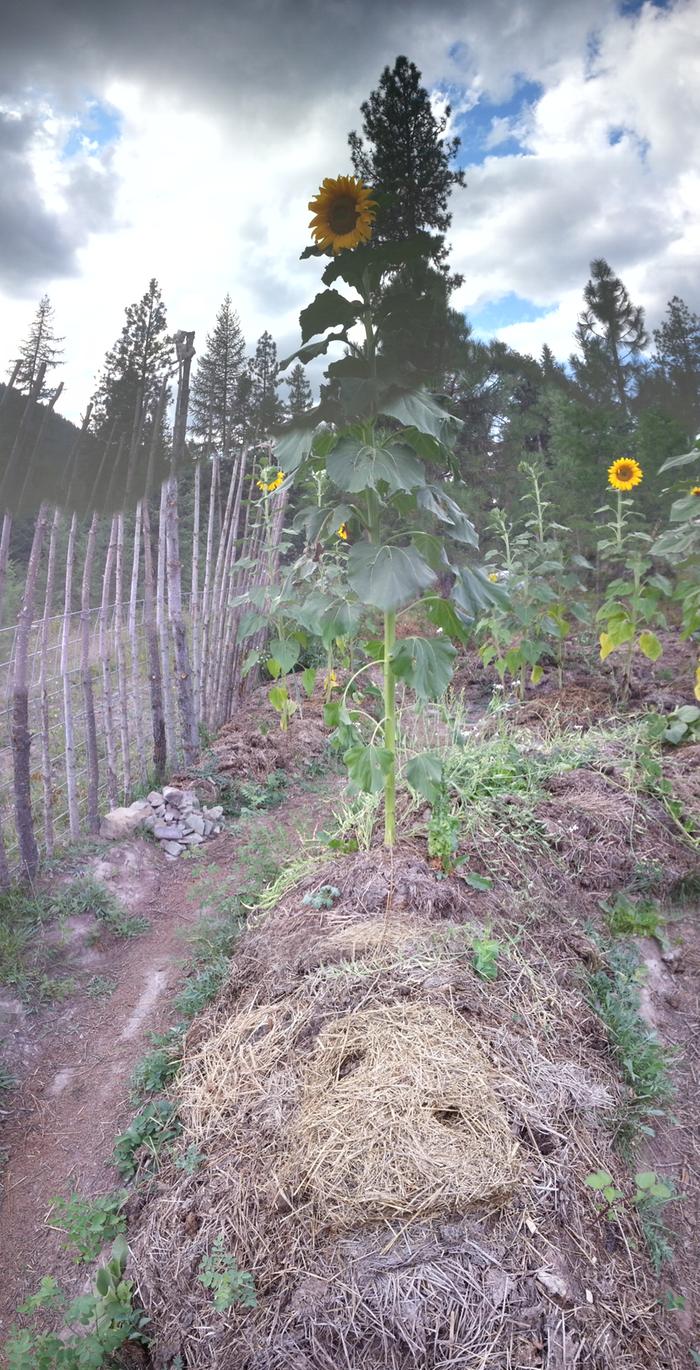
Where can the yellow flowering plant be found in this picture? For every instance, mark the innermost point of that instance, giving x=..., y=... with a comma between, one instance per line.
x=379, y=446
x=633, y=605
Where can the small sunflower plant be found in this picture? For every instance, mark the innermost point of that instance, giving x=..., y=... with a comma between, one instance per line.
x=544, y=585
x=633, y=606
x=378, y=448
x=679, y=545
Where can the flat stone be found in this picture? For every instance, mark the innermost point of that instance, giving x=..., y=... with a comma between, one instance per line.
x=208, y=827
x=155, y=799
x=195, y=823
x=192, y=839
x=170, y=856
x=168, y=832
x=216, y=812
x=123, y=822
x=172, y=848
x=172, y=795
x=189, y=800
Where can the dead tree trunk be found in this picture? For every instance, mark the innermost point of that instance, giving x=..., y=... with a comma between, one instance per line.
x=121, y=655
x=154, y=674
x=207, y=591
x=106, y=665
x=71, y=783
x=4, y=558
x=163, y=636
x=46, y=776
x=93, y=765
x=183, y=669
x=134, y=644
x=21, y=736
x=194, y=591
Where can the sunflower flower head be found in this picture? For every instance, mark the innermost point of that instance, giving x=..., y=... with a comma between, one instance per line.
x=343, y=532
x=343, y=213
x=267, y=486
x=695, y=490
x=625, y=473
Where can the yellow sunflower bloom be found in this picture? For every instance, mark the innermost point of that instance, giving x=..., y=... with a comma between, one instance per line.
x=267, y=486
x=343, y=213
x=625, y=473
x=695, y=490
x=343, y=532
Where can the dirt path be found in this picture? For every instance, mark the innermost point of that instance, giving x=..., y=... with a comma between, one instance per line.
x=75, y=1095
x=75, y=1061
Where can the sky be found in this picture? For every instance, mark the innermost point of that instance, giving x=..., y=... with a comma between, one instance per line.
x=161, y=138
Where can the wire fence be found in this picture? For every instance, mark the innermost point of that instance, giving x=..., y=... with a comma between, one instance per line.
x=56, y=688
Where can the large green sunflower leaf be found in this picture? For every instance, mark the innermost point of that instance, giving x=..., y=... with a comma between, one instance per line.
x=687, y=507
x=371, y=262
x=387, y=577
x=473, y=593
x=310, y=350
x=285, y=651
x=418, y=409
x=434, y=500
x=328, y=310
x=424, y=775
x=425, y=663
x=368, y=767
x=443, y=614
x=354, y=466
x=685, y=459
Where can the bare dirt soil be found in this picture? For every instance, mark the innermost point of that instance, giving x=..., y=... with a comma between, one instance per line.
x=74, y=1061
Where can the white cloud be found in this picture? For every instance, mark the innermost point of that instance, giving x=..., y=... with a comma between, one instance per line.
x=225, y=136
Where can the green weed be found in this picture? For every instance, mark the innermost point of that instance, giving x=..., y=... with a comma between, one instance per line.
x=485, y=953
x=219, y=1272
x=155, y=1071
x=202, y=987
x=651, y=1194
x=154, y=1128
x=644, y=1063
x=89, y=1223
x=633, y=918
x=97, y=1325
x=101, y=987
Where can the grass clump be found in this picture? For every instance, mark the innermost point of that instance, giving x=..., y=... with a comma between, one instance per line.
x=156, y=1070
x=89, y=1223
x=613, y=994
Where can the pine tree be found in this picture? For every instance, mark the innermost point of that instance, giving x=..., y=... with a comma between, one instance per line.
x=677, y=358
x=300, y=396
x=407, y=159
x=610, y=331
x=135, y=368
x=41, y=345
x=266, y=408
x=215, y=390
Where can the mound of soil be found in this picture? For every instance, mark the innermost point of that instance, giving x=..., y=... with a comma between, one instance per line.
x=395, y=1147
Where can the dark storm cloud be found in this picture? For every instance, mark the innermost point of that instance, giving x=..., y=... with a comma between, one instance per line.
x=33, y=244
x=37, y=244
x=275, y=55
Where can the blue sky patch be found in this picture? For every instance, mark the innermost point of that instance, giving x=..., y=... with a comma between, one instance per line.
x=99, y=122
x=475, y=125
x=510, y=308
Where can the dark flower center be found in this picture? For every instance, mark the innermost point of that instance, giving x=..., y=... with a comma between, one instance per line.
x=342, y=214
x=625, y=472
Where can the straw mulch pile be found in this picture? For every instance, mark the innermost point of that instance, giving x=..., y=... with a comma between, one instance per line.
x=395, y=1148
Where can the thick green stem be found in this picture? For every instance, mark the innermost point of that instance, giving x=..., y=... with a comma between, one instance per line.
x=390, y=728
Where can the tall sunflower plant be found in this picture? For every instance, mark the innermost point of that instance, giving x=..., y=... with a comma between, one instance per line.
x=379, y=448
x=633, y=606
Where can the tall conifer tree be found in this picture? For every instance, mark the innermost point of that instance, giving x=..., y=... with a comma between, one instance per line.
x=610, y=333
x=42, y=345
x=215, y=390
x=135, y=368
x=300, y=396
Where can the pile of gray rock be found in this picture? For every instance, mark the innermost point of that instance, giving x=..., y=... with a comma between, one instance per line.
x=175, y=818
